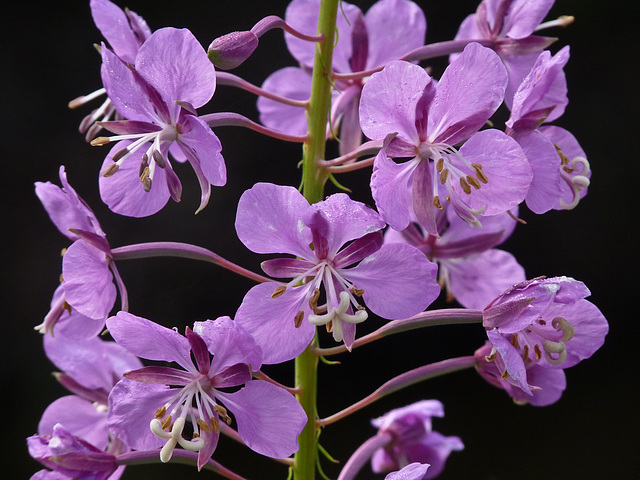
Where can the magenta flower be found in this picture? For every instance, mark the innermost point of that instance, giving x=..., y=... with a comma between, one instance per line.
x=547, y=384
x=87, y=292
x=125, y=31
x=70, y=457
x=389, y=29
x=395, y=280
x=546, y=321
x=560, y=168
x=158, y=95
x=149, y=408
x=469, y=268
x=423, y=121
x=413, y=471
x=413, y=439
x=509, y=24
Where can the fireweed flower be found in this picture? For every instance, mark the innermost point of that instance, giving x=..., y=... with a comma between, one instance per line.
x=149, y=408
x=509, y=24
x=395, y=280
x=389, y=29
x=87, y=290
x=560, y=169
x=469, y=268
x=546, y=384
x=413, y=439
x=90, y=368
x=125, y=31
x=423, y=121
x=546, y=321
x=70, y=457
x=158, y=95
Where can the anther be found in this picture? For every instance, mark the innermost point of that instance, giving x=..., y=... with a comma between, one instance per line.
x=358, y=292
x=144, y=165
x=313, y=301
x=203, y=425
x=119, y=154
x=525, y=353
x=215, y=425
x=440, y=165
x=504, y=375
x=492, y=357
x=166, y=422
x=465, y=186
x=329, y=326
x=444, y=175
x=159, y=159
x=161, y=412
x=514, y=341
x=473, y=182
x=278, y=291
x=436, y=202
x=479, y=173
x=298, y=319
x=100, y=141
x=537, y=351
x=110, y=170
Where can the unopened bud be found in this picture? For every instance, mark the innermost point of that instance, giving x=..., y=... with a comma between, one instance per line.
x=230, y=50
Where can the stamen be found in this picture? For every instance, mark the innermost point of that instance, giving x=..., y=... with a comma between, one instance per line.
x=203, y=425
x=537, y=351
x=473, y=182
x=161, y=412
x=166, y=422
x=119, y=154
x=110, y=170
x=440, y=165
x=329, y=326
x=144, y=164
x=358, y=292
x=100, y=141
x=298, y=319
x=525, y=353
x=504, y=375
x=313, y=301
x=279, y=291
x=465, y=186
x=479, y=173
x=159, y=159
x=491, y=357
x=146, y=180
x=215, y=425
x=436, y=202
x=444, y=175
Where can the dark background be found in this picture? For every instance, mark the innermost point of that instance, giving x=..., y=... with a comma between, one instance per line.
x=47, y=59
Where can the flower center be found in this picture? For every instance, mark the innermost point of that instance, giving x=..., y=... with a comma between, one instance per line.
x=544, y=339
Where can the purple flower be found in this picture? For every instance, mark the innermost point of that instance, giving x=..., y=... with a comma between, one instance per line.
x=413, y=471
x=469, y=268
x=125, y=31
x=546, y=321
x=87, y=291
x=395, y=280
x=414, y=440
x=389, y=29
x=546, y=384
x=70, y=457
x=510, y=25
x=149, y=408
x=423, y=121
x=158, y=95
x=560, y=169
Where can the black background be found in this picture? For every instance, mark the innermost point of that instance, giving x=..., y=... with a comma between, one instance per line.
x=47, y=58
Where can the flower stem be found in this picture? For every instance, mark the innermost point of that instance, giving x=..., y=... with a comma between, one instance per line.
x=313, y=181
x=182, y=250
x=431, y=318
x=402, y=381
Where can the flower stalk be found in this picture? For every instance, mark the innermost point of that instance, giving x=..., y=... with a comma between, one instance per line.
x=313, y=181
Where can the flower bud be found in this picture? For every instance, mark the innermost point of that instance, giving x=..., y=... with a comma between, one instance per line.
x=230, y=50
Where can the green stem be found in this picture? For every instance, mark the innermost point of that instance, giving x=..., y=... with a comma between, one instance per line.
x=313, y=181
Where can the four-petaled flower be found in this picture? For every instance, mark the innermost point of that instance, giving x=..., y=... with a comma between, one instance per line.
x=546, y=321
x=423, y=121
x=395, y=280
x=158, y=95
x=150, y=407
x=413, y=439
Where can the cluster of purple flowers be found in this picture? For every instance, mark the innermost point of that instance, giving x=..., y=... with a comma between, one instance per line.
x=447, y=185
